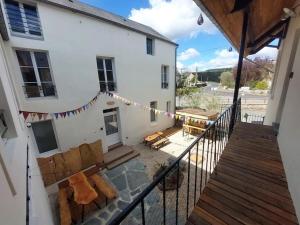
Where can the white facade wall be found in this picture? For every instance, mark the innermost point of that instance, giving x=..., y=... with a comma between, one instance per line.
x=73, y=42
x=284, y=108
x=13, y=150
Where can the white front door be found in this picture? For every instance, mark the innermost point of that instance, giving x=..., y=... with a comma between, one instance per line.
x=112, y=130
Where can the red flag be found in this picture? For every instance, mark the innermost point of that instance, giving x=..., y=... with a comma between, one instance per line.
x=25, y=114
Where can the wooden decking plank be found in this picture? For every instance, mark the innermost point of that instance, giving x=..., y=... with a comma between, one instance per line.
x=239, y=208
x=268, y=177
x=259, y=211
x=249, y=184
x=270, y=207
x=260, y=193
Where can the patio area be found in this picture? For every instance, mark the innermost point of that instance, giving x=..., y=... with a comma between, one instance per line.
x=132, y=177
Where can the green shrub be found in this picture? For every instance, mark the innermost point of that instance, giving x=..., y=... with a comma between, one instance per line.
x=261, y=85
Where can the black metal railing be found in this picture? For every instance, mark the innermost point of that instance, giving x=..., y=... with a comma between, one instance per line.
x=33, y=89
x=164, y=85
x=157, y=204
x=253, y=118
x=27, y=186
x=107, y=86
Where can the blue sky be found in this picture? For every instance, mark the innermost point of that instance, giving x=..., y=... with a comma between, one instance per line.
x=200, y=47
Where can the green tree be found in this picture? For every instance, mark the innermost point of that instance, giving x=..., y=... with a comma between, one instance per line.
x=186, y=91
x=261, y=85
x=227, y=79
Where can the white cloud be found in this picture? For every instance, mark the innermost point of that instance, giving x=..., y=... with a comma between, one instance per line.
x=266, y=52
x=223, y=58
x=173, y=18
x=190, y=53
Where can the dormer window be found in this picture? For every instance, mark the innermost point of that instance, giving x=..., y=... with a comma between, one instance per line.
x=23, y=19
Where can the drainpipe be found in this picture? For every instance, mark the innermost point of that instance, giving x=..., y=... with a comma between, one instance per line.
x=239, y=68
x=175, y=80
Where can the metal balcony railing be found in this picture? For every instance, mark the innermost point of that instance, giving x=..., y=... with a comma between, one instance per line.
x=174, y=207
x=108, y=86
x=251, y=118
x=33, y=90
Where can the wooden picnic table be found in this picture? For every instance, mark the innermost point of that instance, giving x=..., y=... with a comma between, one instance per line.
x=83, y=192
x=153, y=137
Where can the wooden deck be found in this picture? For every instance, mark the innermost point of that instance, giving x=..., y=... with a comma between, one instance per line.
x=249, y=184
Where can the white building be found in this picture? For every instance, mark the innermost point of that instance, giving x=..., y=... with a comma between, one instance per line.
x=61, y=53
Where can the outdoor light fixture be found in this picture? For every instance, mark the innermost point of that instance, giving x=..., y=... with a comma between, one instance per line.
x=290, y=12
x=200, y=20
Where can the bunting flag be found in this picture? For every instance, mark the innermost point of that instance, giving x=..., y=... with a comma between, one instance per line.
x=76, y=111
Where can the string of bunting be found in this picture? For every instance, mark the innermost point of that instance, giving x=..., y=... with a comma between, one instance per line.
x=56, y=115
x=156, y=111
x=74, y=112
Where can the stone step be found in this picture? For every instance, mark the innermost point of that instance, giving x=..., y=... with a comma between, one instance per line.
x=114, y=146
x=122, y=160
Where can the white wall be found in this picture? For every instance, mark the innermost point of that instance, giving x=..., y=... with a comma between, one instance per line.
x=14, y=151
x=73, y=42
x=284, y=108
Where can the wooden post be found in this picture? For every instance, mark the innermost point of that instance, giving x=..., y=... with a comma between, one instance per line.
x=239, y=68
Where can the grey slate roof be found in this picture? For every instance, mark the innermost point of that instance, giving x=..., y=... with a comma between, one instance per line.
x=79, y=7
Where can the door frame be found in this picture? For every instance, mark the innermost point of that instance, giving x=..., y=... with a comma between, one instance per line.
x=118, y=123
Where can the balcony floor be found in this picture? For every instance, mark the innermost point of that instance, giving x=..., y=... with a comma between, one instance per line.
x=249, y=184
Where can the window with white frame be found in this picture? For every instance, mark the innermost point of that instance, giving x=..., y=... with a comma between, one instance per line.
x=106, y=74
x=36, y=73
x=23, y=18
x=153, y=106
x=164, y=77
x=44, y=136
x=168, y=107
x=3, y=124
x=150, y=46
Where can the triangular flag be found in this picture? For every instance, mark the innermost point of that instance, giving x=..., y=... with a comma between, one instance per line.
x=45, y=115
x=25, y=114
x=33, y=115
x=40, y=115
x=56, y=115
x=68, y=113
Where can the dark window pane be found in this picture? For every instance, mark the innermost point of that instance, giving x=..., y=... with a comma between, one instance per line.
x=28, y=74
x=48, y=89
x=108, y=64
x=14, y=16
x=100, y=64
x=111, y=124
x=110, y=76
x=32, y=90
x=101, y=75
x=32, y=20
x=44, y=136
x=41, y=59
x=45, y=74
x=149, y=44
x=24, y=58
x=111, y=86
x=103, y=86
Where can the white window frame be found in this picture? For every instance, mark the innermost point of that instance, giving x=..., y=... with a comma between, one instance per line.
x=164, y=76
x=152, y=111
x=24, y=20
x=36, y=72
x=105, y=71
x=168, y=106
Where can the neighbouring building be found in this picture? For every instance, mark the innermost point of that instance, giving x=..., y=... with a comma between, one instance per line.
x=56, y=56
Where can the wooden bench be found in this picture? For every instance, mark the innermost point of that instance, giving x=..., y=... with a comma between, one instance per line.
x=157, y=145
x=104, y=187
x=64, y=209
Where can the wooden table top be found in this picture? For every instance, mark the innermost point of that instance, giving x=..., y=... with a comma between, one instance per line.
x=153, y=136
x=84, y=193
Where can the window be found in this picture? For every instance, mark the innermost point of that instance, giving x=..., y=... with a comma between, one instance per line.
x=150, y=46
x=3, y=124
x=23, y=18
x=164, y=77
x=153, y=117
x=36, y=73
x=106, y=74
x=168, y=107
x=44, y=136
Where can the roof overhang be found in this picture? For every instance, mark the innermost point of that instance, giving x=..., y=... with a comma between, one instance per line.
x=264, y=25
